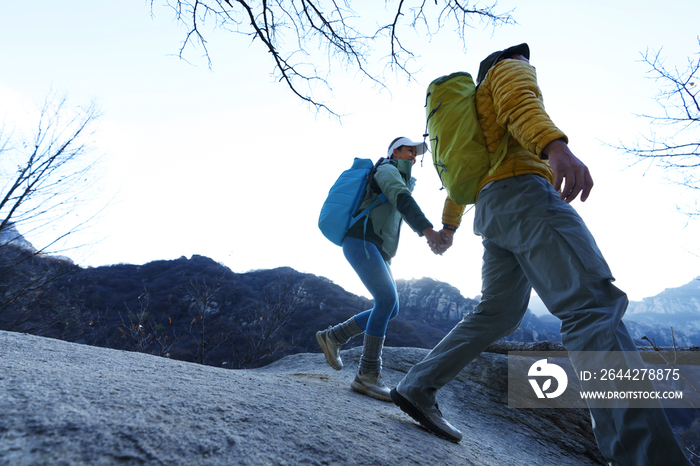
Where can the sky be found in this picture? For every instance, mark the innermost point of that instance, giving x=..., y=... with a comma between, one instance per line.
x=227, y=163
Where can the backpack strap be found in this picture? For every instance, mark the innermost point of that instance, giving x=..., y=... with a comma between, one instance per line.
x=373, y=187
x=500, y=152
x=381, y=199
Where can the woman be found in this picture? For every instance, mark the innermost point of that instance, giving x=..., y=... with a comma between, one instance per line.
x=369, y=247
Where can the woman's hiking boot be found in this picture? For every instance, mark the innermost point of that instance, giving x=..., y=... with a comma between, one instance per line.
x=368, y=379
x=332, y=339
x=331, y=349
x=371, y=384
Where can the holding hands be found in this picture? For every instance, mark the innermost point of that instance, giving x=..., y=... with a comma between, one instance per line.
x=439, y=242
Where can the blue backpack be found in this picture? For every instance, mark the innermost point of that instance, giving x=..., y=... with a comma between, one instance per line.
x=339, y=211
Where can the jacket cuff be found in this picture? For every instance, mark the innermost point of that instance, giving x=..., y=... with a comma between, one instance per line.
x=560, y=136
x=452, y=213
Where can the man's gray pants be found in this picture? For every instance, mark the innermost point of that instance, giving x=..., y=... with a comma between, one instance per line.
x=532, y=239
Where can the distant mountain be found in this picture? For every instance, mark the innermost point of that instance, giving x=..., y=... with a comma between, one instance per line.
x=674, y=311
x=672, y=303
x=10, y=235
x=671, y=316
x=199, y=310
x=441, y=306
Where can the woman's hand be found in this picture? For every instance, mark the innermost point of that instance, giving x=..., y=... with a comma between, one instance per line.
x=435, y=240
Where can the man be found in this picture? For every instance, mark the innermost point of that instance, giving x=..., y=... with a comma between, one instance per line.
x=533, y=238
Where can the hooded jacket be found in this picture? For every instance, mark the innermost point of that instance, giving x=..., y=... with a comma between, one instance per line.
x=509, y=99
x=393, y=179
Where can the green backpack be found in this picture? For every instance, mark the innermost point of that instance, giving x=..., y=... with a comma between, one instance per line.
x=457, y=142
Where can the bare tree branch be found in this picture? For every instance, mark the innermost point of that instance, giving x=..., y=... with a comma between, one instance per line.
x=202, y=298
x=43, y=178
x=673, y=141
x=51, y=178
x=331, y=27
x=261, y=334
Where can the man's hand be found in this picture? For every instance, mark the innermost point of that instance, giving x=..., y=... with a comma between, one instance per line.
x=447, y=237
x=566, y=166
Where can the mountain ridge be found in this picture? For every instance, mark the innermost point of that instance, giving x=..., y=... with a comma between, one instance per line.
x=199, y=310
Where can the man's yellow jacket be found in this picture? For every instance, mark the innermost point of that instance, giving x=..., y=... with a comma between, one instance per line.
x=509, y=99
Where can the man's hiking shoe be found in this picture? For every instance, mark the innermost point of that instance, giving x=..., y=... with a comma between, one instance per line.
x=330, y=348
x=428, y=417
x=371, y=384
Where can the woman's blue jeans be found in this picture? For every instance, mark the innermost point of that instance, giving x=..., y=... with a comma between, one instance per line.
x=374, y=271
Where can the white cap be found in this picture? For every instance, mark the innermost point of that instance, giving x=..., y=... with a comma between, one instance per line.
x=421, y=147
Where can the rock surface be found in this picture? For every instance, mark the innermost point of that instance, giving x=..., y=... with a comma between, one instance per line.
x=64, y=403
